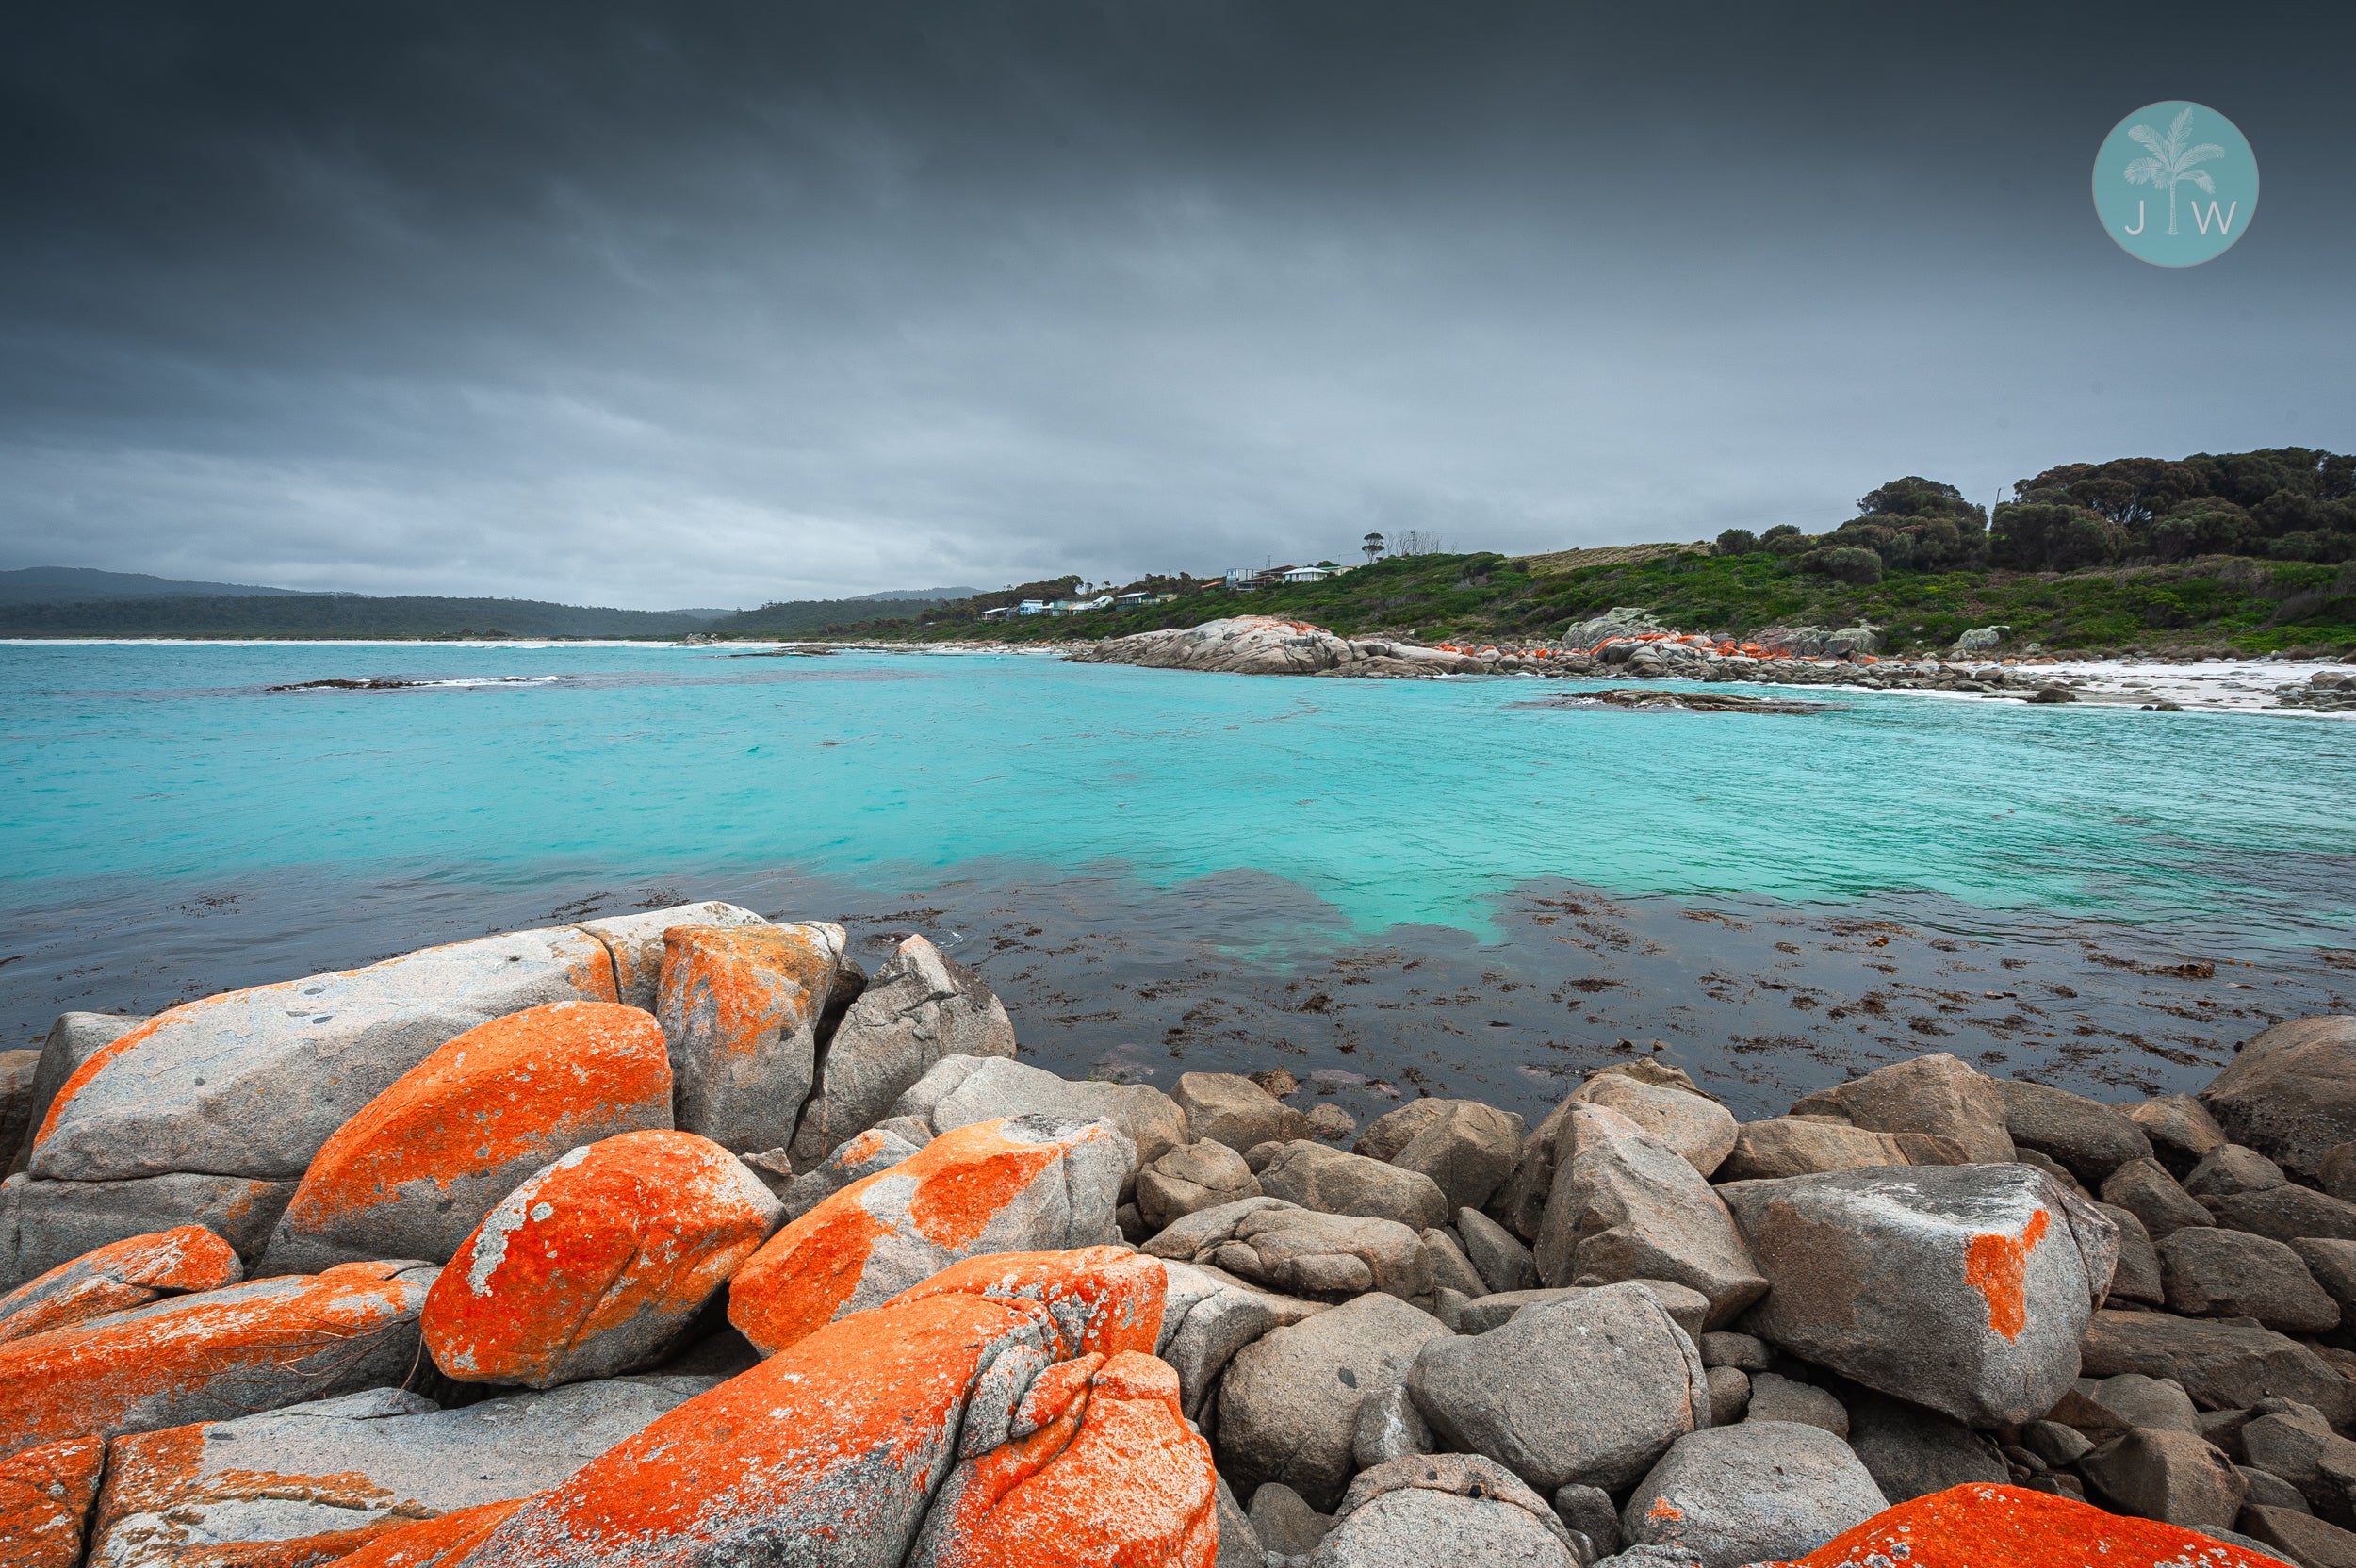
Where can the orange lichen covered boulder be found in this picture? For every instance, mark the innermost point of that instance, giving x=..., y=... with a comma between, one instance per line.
x=835, y=1449
x=828, y=1452
x=594, y=1265
x=253, y=1346
x=45, y=1497
x=741, y=1006
x=1099, y=1467
x=2007, y=1526
x=431, y=1542
x=121, y=1275
x=253, y=1083
x=1018, y=1185
x=423, y=1162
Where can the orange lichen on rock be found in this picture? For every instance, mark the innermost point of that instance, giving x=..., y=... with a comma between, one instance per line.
x=740, y=1006
x=2008, y=1527
x=1106, y=1300
x=45, y=1497
x=226, y=1353
x=1005, y=1186
x=842, y=1437
x=592, y=1266
x=1997, y=1265
x=431, y=1542
x=1112, y=1475
x=119, y=1275
x=421, y=1164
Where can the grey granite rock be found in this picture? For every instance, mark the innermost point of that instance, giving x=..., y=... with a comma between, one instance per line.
x=1496, y=1254
x=2173, y=1476
x=1229, y=1108
x=1332, y=1181
x=2089, y=1139
x=1935, y=1094
x=1193, y=1176
x=1761, y=1492
x=2219, y=1273
x=2145, y=1189
x=2290, y=1093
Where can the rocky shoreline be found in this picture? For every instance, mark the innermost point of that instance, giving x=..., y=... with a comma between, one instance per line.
x=677, y=1238
x=1630, y=645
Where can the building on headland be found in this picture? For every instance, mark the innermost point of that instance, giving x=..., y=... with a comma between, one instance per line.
x=1126, y=600
x=1032, y=607
x=1303, y=574
x=998, y=612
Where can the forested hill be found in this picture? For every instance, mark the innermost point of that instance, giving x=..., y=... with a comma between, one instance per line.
x=336, y=615
x=2246, y=553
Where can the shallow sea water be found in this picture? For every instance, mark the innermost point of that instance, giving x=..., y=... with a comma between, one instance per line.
x=1395, y=886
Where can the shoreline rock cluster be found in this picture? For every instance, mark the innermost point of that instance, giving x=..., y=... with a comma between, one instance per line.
x=679, y=1238
x=1259, y=645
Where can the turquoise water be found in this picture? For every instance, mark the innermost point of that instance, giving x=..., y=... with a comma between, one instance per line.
x=1392, y=801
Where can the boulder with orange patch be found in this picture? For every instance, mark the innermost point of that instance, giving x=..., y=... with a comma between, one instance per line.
x=1965, y=1288
x=322, y=1480
x=1982, y=1525
x=834, y=1451
x=1020, y=1184
x=54, y=1222
x=636, y=944
x=597, y=1263
x=421, y=1164
x=45, y=1497
x=1099, y=1466
x=444, y=1540
x=253, y=1083
x=128, y=1273
x=72, y=1040
x=208, y=1357
x=741, y=1006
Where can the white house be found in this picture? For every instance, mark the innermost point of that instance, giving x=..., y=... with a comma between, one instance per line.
x=1126, y=599
x=1305, y=574
x=1031, y=607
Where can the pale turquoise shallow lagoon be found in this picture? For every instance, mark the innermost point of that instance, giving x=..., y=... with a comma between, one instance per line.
x=159, y=771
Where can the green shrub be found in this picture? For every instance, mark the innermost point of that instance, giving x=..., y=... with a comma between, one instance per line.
x=1737, y=541
x=1844, y=563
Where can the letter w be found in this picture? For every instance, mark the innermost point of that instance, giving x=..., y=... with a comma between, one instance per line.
x=2224, y=224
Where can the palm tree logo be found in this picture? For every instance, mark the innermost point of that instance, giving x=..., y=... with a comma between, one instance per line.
x=2171, y=161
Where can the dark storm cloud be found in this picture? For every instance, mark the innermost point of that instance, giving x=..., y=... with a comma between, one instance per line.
x=691, y=305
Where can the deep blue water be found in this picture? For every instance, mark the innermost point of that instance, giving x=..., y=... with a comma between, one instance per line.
x=171, y=825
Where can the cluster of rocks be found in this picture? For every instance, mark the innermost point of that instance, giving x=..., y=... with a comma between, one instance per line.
x=677, y=1239
x=1806, y=656
x=2326, y=692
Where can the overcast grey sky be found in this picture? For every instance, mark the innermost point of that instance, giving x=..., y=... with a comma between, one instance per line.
x=704, y=306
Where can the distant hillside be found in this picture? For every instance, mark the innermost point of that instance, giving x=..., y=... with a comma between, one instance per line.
x=936, y=596
x=2246, y=552
x=806, y=617
x=335, y=615
x=83, y=586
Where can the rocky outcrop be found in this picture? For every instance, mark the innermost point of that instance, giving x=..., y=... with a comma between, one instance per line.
x=1330, y=1182
x=118, y=1276
x=1229, y=1108
x=1194, y=1176
x=1278, y=1245
x=740, y=1007
x=209, y=1356
x=1934, y=1094
x=1464, y=1148
x=418, y=1167
x=1701, y=1130
x=597, y=1263
x=1022, y=1183
x=919, y=1009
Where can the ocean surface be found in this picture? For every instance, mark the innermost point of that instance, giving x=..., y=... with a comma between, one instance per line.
x=1460, y=886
